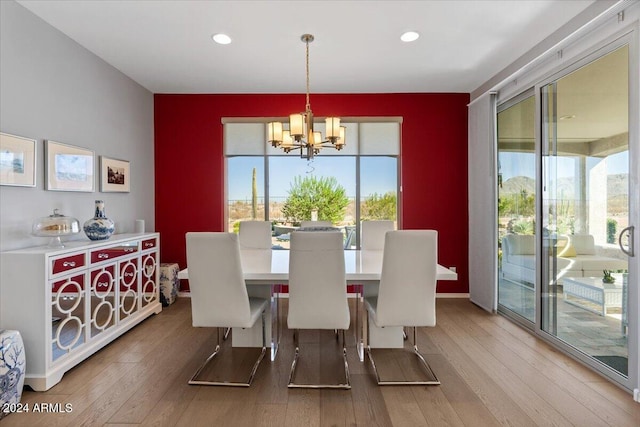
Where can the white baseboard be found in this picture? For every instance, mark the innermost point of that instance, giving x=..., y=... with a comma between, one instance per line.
x=452, y=295
x=187, y=294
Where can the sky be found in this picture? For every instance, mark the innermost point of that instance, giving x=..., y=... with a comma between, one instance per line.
x=378, y=174
x=523, y=164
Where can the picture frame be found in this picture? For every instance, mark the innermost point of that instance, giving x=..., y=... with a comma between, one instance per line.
x=115, y=175
x=69, y=168
x=17, y=160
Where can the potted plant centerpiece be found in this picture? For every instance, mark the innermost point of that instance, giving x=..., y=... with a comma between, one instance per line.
x=608, y=277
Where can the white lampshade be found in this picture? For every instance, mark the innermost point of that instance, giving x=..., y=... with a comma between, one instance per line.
x=332, y=127
x=317, y=139
x=296, y=124
x=287, y=141
x=343, y=136
x=274, y=130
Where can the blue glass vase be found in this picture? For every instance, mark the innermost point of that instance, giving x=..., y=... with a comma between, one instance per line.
x=99, y=227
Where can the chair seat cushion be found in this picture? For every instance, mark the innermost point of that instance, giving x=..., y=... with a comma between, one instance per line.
x=256, y=307
x=318, y=319
x=371, y=305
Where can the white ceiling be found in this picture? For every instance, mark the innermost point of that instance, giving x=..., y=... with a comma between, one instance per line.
x=166, y=45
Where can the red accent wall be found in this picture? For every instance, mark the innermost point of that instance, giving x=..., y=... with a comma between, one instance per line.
x=189, y=162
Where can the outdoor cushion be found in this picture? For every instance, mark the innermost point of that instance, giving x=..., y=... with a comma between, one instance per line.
x=569, y=251
x=599, y=263
x=521, y=244
x=583, y=244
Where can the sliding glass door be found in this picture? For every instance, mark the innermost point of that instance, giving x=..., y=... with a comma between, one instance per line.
x=586, y=211
x=516, y=182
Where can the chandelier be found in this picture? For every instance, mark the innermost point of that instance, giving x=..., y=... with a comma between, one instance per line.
x=300, y=135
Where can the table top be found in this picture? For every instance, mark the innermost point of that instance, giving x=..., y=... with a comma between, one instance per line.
x=272, y=266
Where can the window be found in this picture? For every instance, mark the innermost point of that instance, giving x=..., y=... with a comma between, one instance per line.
x=343, y=187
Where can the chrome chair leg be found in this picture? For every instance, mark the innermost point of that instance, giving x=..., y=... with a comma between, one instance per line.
x=226, y=333
x=345, y=386
x=295, y=357
x=425, y=365
x=206, y=362
x=195, y=381
x=435, y=380
x=347, y=377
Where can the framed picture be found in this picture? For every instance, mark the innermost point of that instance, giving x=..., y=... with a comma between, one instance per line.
x=17, y=160
x=69, y=168
x=115, y=175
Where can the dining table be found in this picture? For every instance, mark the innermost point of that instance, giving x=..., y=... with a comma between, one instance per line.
x=265, y=272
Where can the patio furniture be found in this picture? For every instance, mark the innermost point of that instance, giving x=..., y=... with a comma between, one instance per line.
x=587, y=292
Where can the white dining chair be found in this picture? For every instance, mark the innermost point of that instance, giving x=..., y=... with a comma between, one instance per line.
x=310, y=224
x=255, y=235
x=218, y=293
x=317, y=292
x=407, y=292
x=372, y=234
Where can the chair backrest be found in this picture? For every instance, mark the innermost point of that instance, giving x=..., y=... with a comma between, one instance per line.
x=255, y=234
x=372, y=234
x=306, y=224
x=317, y=281
x=218, y=292
x=407, y=293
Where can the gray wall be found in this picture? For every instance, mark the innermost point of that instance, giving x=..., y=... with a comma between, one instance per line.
x=53, y=88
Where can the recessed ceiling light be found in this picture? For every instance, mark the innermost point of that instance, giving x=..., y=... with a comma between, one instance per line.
x=221, y=38
x=409, y=36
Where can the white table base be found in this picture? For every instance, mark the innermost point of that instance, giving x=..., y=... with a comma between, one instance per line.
x=252, y=337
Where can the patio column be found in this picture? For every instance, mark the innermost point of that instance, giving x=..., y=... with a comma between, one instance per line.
x=582, y=218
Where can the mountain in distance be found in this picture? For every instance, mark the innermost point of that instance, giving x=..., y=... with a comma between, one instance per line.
x=518, y=183
x=617, y=185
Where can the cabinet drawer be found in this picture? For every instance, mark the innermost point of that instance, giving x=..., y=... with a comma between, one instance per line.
x=149, y=244
x=104, y=254
x=71, y=262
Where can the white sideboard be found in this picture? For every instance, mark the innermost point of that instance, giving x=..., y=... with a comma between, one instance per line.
x=70, y=302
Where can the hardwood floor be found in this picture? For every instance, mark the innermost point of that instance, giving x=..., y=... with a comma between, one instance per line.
x=493, y=373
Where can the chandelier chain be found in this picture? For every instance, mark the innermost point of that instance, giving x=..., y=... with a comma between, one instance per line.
x=308, y=106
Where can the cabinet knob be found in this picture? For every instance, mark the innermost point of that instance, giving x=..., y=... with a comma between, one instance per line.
x=103, y=256
x=69, y=264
